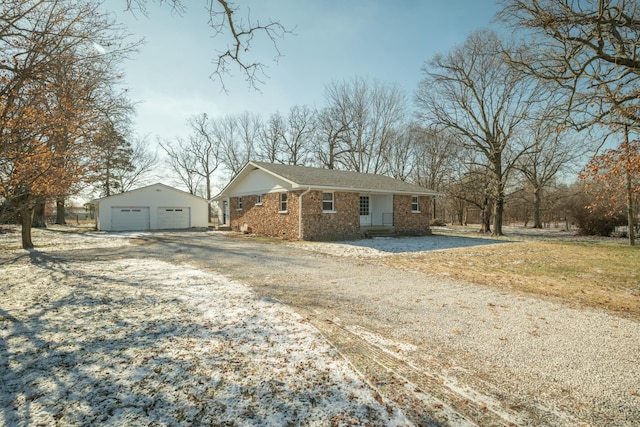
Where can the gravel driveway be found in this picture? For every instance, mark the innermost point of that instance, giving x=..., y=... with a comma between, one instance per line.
x=448, y=353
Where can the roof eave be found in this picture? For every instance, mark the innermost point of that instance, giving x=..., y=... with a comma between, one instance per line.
x=364, y=190
x=243, y=172
x=146, y=187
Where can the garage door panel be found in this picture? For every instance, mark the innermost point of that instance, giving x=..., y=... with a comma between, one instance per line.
x=174, y=217
x=130, y=218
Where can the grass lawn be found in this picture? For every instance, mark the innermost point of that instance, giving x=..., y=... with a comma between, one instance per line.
x=595, y=274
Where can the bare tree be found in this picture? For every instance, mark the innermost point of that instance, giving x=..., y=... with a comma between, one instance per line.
x=298, y=137
x=237, y=135
x=436, y=158
x=205, y=148
x=590, y=48
x=183, y=163
x=401, y=156
x=250, y=125
x=288, y=140
x=369, y=116
x=330, y=134
x=472, y=93
x=225, y=21
x=554, y=149
x=269, y=144
x=473, y=188
x=196, y=159
x=142, y=161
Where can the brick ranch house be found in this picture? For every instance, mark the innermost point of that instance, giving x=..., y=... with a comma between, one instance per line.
x=296, y=202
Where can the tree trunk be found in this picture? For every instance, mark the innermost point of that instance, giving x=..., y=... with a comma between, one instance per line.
x=26, y=220
x=60, y=212
x=498, y=211
x=38, y=219
x=537, y=202
x=485, y=227
x=498, y=208
x=107, y=183
x=631, y=220
x=209, y=208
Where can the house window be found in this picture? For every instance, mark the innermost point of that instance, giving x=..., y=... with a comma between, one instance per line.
x=414, y=204
x=239, y=203
x=364, y=205
x=283, y=202
x=327, y=202
x=259, y=199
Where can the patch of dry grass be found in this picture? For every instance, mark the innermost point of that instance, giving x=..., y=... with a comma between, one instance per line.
x=604, y=275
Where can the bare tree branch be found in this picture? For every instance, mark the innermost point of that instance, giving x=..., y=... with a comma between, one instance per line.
x=589, y=48
x=224, y=20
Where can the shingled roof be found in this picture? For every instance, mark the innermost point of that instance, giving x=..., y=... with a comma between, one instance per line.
x=332, y=179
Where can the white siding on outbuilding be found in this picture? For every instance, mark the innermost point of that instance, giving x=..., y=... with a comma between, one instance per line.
x=155, y=207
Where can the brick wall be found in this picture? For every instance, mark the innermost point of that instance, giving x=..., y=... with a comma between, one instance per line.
x=267, y=220
x=409, y=222
x=343, y=223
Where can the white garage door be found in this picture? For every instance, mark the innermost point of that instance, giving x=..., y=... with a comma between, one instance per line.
x=129, y=218
x=173, y=218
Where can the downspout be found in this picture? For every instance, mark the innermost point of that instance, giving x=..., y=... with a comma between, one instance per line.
x=300, y=213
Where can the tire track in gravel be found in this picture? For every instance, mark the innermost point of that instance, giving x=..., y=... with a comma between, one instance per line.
x=425, y=399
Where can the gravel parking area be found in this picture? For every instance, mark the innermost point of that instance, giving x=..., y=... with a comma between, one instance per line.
x=530, y=362
x=447, y=353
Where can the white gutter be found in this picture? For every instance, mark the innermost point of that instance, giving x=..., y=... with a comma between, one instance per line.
x=300, y=213
x=369, y=190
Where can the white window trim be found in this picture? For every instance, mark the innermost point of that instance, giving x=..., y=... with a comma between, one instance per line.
x=333, y=202
x=280, y=203
x=417, y=203
x=259, y=200
x=239, y=206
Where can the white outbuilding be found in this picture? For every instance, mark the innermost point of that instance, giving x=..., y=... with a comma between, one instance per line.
x=155, y=207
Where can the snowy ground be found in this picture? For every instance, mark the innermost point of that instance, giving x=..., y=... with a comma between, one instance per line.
x=385, y=246
x=145, y=342
x=443, y=238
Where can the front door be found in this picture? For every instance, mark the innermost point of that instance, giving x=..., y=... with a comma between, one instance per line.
x=225, y=212
x=365, y=212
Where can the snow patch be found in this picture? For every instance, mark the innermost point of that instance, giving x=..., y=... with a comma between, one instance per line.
x=148, y=342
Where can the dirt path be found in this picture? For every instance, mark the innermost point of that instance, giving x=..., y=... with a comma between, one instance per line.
x=448, y=353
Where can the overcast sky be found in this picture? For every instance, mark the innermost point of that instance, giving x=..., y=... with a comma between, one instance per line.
x=334, y=40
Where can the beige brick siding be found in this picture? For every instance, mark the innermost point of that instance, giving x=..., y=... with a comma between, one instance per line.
x=406, y=221
x=343, y=223
x=267, y=220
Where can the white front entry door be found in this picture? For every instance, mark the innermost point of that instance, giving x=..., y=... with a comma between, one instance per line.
x=226, y=213
x=365, y=212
